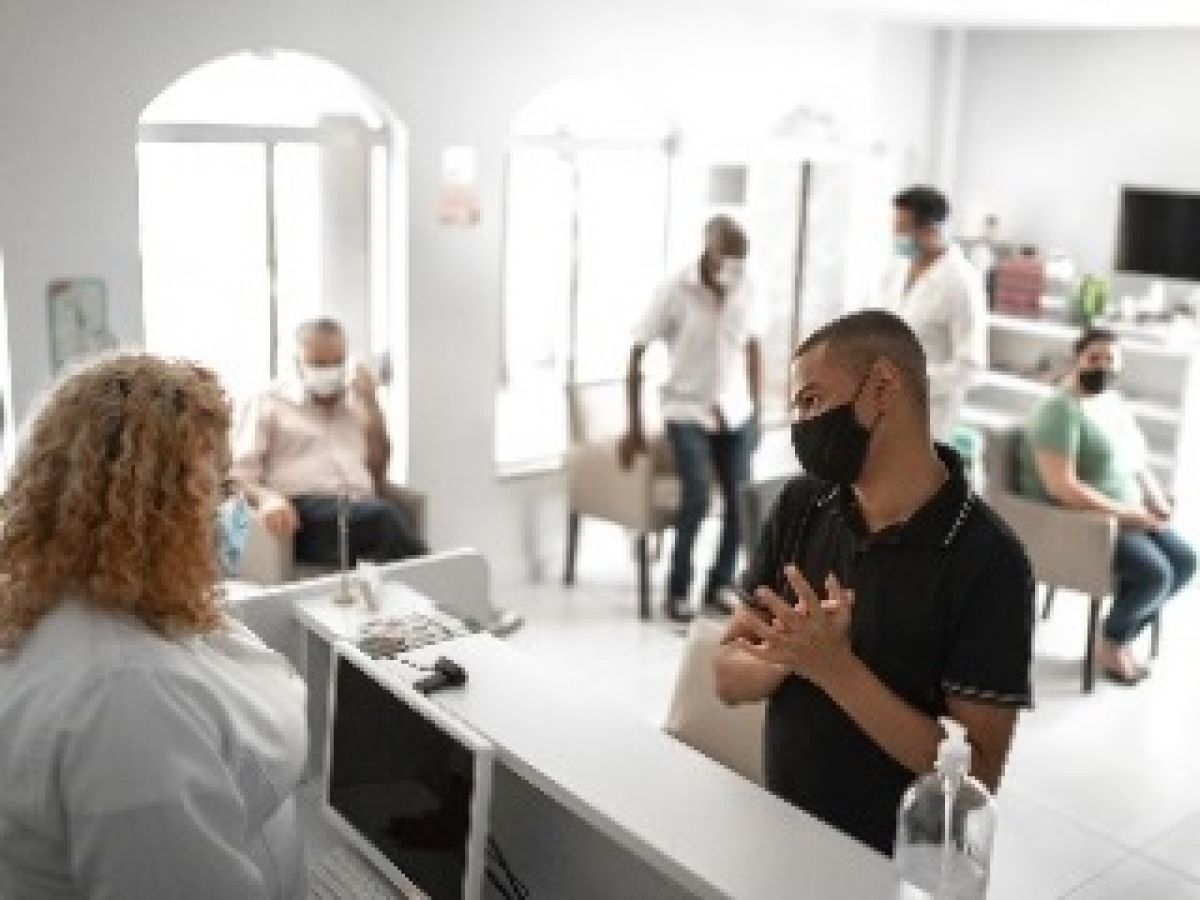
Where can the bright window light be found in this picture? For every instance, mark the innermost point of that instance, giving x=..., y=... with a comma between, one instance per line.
x=585, y=244
x=272, y=88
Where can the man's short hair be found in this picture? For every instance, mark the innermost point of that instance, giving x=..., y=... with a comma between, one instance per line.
x=1094, y=335
x=928, y=205
x=859, y=339
x=322, y=325
x=725, y=230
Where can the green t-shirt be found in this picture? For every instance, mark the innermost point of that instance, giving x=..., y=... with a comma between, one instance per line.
x=1099, y=435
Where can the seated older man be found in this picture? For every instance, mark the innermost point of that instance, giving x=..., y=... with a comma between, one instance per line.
x=302, y=445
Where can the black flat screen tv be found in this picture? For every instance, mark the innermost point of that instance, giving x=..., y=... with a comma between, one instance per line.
x=1159, y=233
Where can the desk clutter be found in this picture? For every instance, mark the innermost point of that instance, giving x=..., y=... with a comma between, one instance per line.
x=387, y=637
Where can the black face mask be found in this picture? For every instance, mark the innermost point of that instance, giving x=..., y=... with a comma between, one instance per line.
x=1096, y=381
x=833, y=446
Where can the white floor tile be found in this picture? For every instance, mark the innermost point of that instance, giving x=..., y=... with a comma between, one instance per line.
x=1039, y=853
x=1139, y=879
x=1179, y=848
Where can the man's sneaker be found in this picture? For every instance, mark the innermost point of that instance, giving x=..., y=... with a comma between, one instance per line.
x=719, y=601
x=678, y=611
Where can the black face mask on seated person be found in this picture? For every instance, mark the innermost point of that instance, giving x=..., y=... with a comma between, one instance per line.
x=833, y=446
x=1096, y=381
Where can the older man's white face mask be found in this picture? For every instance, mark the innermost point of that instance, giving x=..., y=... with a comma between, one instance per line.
x=324, y=382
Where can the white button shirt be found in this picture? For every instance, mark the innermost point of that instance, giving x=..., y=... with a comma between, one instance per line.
x=947, y=308
x=137, y=768
x=292, y=445
x=707, y=340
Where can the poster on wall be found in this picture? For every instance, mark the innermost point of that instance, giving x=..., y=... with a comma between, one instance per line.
x=458, y=196
x=78, y=309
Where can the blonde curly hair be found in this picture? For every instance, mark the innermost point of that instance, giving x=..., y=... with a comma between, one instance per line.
x=113, y=498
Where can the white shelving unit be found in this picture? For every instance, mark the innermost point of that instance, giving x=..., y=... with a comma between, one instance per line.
x=1027, y=356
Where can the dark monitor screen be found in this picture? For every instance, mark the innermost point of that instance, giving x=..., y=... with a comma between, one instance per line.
x=1159, y=233
x=402, y=782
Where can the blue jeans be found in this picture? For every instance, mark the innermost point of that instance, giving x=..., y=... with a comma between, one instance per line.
x=1151, y=568
x=699, y=455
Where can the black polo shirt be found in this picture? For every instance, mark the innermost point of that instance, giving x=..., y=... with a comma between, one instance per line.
x=943, y=606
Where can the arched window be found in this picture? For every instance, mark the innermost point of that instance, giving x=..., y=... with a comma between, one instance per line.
x=264, y=200
x=588, y=195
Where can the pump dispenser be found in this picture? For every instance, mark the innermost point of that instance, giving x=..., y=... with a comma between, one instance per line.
x=945, y=827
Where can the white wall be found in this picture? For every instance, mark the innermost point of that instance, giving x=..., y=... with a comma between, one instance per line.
x=75, y=75
x=1053, y=123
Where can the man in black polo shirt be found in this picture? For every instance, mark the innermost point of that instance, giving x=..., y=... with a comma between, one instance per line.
x=885, y=593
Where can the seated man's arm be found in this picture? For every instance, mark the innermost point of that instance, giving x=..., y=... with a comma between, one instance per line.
x=379, y=446
x=740, y=678
x=251, y=440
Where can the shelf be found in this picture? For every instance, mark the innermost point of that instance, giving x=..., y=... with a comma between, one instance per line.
x=1134, y=340
x=990, y=418
x=1011, y=381
x=1145, y=410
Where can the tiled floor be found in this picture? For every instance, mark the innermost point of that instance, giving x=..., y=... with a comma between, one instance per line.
x=1102, y=797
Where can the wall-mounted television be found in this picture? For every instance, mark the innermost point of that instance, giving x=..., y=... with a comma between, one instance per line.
x=1159, y=233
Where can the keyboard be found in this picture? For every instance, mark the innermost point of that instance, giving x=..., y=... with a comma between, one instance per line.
x=342, y=875
x=387, y=637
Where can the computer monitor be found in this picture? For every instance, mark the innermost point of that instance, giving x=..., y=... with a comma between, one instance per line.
x=406, y=783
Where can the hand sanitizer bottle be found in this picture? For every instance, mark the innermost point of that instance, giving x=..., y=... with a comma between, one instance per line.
x=945, y=827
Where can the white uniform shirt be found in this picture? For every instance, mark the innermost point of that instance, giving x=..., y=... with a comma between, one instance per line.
x=947, y=308
x=707, y=340
x=137, y=768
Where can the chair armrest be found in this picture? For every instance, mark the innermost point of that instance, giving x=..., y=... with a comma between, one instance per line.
x=1068, y=548
x=415, y=505
x=267, y=559
x=597, y=485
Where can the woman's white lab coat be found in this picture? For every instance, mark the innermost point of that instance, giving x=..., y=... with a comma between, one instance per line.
x=136, y=767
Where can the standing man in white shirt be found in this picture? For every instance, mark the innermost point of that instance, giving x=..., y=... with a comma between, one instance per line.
x=708, y=317
x=936, y=290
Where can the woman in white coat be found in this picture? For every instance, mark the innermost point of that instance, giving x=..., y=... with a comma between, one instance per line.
x=149, y=746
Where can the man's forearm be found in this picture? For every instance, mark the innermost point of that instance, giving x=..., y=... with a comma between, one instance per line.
x=633, y=391
x=754, y=372
x=906, y=734
x=741, y=678
x=379, y=446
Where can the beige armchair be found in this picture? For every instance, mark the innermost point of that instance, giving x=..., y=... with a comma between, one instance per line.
x=642, y=499
x=730, y=735
x=1068, y=548
x=269, y=559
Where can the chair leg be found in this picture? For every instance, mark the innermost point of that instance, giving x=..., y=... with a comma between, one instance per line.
x=1048, y=603
x=572, y=547
x=1089, y=658
x=1155, y=635
x=643, y=563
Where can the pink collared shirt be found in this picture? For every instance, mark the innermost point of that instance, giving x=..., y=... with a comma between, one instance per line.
x=291, y=445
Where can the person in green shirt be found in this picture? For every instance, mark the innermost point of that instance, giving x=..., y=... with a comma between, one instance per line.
x=1085, y=451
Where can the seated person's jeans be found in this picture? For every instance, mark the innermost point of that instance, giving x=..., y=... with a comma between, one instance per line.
x=1151, y=567
x=379, y=532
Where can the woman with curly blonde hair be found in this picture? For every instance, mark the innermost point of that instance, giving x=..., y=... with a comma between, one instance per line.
x=151, y=745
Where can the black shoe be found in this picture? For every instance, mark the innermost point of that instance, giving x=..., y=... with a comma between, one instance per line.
x=677, y=610
x=717, y=602
x=1118, y=677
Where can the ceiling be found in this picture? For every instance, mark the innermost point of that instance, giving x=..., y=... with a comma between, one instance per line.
x=1027, y=13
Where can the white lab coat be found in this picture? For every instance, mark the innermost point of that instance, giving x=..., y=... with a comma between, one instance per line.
x=138, y=768
x=947, y=308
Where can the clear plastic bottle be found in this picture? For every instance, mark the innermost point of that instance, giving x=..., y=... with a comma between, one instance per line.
x=945, y=827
